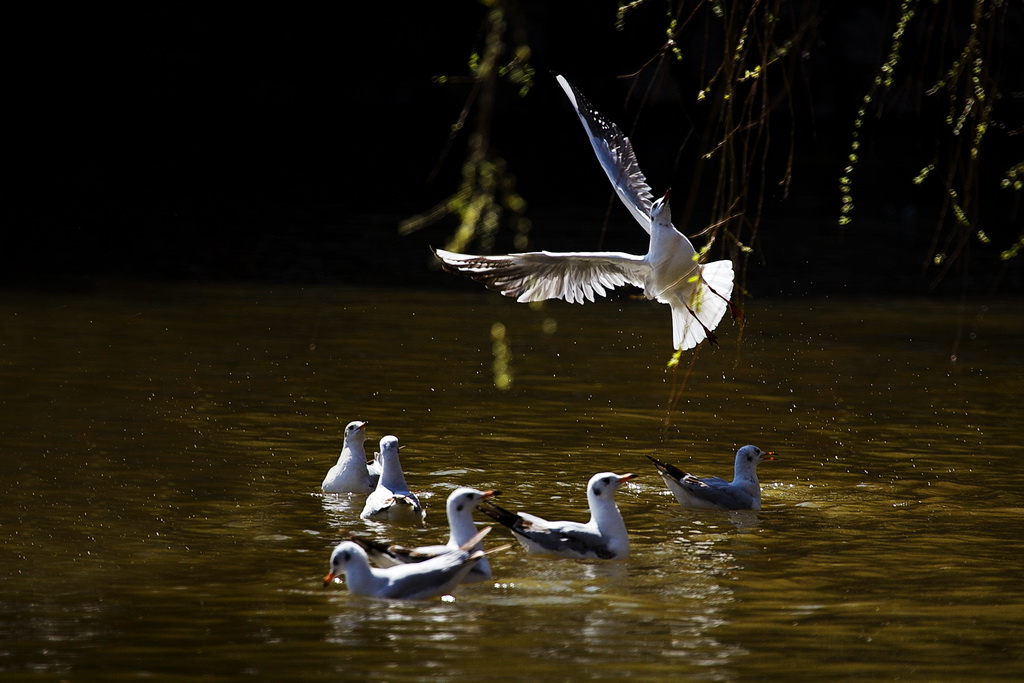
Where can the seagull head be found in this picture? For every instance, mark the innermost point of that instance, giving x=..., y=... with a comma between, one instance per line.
x=341, y=557
x=389, y=446
x=356, y=429
x=660, y=208
x=603, y=485
x=465, y=498
x=750, y=456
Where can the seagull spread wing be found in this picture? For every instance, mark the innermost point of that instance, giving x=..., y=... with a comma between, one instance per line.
x=615, y=153
x=534, y=276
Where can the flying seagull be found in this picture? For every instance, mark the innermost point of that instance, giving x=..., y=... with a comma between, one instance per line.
x=670, y=272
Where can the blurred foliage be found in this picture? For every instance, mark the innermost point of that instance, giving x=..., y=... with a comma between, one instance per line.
x=487, y=194
x=964, y=66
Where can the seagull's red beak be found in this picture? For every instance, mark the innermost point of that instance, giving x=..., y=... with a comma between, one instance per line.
x=768, y=455
x=328, y=579
x=626, y=477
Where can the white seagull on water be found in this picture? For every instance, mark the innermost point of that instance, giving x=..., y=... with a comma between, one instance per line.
x=669, y=272
x=461, y=503
x=392, y=500
x=715, y=493
x=417, y=581
x=352, y=474
x=604, y=537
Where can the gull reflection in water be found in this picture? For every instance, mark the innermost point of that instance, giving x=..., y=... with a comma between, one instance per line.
x=341, y=509
x=365, y=622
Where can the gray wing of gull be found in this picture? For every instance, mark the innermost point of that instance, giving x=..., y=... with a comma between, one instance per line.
x=422, y=579
x=615, y=153
x=558, y=537
x=534, y=276
x=717, y=491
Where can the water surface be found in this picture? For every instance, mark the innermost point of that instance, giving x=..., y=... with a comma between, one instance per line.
x=163, y=448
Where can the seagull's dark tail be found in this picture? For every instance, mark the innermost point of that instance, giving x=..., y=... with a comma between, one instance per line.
x=667, y=469
x=499, y=514
x=369, y=545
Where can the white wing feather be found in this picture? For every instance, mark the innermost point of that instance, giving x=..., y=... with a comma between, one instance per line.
x=535, y=276
x=615, y=153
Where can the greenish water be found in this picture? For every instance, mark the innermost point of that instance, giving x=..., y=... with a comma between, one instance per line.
x=163, y=447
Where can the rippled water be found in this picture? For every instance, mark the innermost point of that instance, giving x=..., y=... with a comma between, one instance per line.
x=163, y=449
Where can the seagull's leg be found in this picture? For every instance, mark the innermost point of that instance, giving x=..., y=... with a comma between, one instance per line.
x=712, y=337
x=733, y=310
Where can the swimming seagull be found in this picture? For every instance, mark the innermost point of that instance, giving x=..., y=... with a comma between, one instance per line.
x=461, y=503
x=669, y=272
x=392, y=500
x=417, y=581
x=352, y=474
x=714, y=493
x=604, y=537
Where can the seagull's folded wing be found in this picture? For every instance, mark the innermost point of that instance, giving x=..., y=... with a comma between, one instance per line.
x=572, y=537
x=526, y=520
x=718, y=492
x=537, y=275
x=431, y=577
x=696, y=483
x=615, y=153
x=378, y=501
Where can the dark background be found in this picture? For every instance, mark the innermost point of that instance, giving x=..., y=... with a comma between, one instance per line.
x=286, y=146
